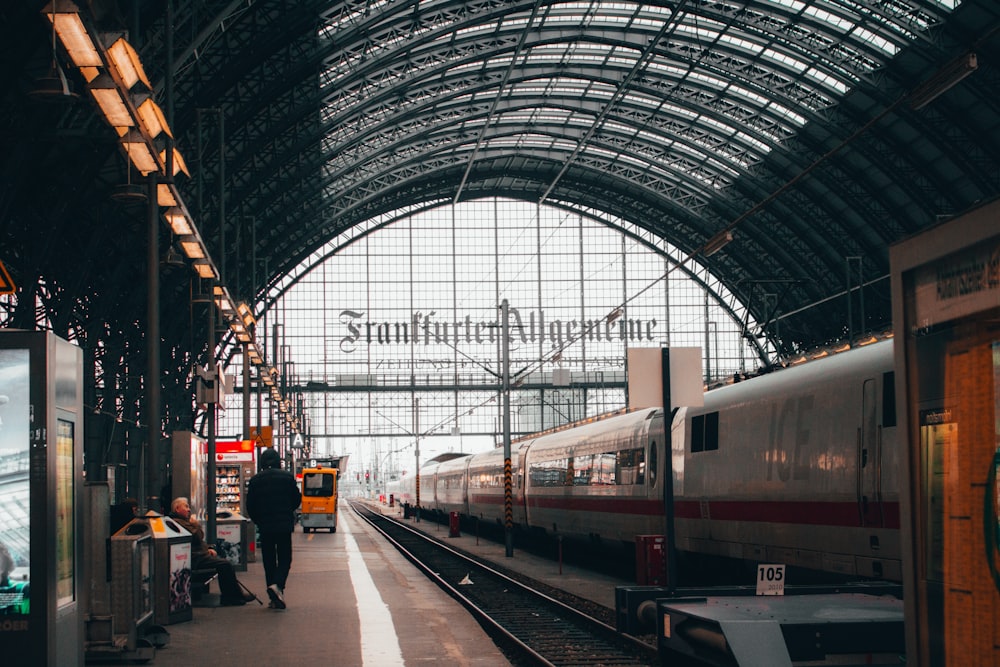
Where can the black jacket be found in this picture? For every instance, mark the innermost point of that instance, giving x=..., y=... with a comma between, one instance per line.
x=272, y=498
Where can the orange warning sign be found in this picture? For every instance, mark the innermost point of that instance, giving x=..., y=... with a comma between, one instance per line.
x=7, y=285
x=263, y=436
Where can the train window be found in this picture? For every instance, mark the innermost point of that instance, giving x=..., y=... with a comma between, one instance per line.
x=549, y=473
x=711, y=431
x=698, y=434
x=581, y=470
x=603, y=471
x=705, y=432
x=889, y=399
x=631, y=468
x=652, y=463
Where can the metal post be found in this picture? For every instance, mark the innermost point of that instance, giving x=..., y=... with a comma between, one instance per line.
x=708, y=347
x=222, y=200
x=416, y=435
x=152, y=456
x=508, y=501
x=668, y=473
x=246, y=390
x=210, y=489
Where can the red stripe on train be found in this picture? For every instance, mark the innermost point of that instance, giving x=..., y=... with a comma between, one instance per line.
x=799, y=512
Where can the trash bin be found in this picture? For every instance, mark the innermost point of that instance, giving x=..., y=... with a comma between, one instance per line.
x=132, y=578
x=453, y=530
x=171, y=570
x=232, y=538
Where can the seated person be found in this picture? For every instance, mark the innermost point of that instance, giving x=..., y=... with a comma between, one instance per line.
x=205, y=557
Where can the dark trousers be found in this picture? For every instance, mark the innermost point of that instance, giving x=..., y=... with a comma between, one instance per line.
x=276, y=555
x=229, y=588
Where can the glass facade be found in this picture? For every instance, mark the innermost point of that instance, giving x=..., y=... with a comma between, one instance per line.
x=397, y=332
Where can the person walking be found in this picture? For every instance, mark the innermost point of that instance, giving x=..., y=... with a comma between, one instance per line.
x=272, y=498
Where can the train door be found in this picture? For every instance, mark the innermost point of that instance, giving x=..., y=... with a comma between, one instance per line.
x=869, y=463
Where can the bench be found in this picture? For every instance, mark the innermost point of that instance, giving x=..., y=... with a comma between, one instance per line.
x=200, y=581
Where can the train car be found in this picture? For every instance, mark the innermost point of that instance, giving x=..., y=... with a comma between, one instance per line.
x=443, y=485
x=400, y=491
x=601, y=481
x=319, y=499
x=799, y=467
x=451, y=483
x=486, y=486
x=428, y=476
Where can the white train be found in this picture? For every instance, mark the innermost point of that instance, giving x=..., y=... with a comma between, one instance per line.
x=800, y=466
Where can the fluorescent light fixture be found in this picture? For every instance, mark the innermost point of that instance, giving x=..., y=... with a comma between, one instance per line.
x=127, y=64
x=191, y=246
x=223, y=301
x=139, y=152
x=166, y=196
x=246, y=315
x=943, y=80
x=66, y=21
x=178, y=220
x=716, y=243
x=151, y=117
x=254, y=354
x=204, y=268
x=109, y=98
x=180, y=166
x=89, y=73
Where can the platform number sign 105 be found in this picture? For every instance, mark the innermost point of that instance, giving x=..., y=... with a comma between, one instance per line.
x=770, y=579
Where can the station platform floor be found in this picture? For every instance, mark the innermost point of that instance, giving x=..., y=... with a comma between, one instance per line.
x=354, y=601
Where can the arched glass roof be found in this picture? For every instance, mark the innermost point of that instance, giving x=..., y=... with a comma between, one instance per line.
x=814, y=133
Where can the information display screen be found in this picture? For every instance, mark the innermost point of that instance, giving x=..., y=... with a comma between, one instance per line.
x=15, y=499
x=65, y=525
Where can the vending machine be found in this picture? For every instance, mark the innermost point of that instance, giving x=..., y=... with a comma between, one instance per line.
x=235, y=464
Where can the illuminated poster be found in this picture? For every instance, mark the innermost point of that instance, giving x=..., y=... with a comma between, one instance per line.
x=180, y=577
x=939, y=441
x=15, y=565
x=65, y=584
x=229, y=542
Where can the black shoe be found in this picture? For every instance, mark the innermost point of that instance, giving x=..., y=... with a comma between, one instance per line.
x=233, y=602
x=277, y=598
x=249, y=597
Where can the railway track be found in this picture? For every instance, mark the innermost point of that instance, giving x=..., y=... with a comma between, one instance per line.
x=532, y=628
